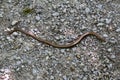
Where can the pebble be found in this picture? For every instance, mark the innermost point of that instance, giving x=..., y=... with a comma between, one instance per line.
x=113, y=40
x=15, y=33
x=62, y=20
x=82, y=5
x=9, y=1
x=110, y=66
x=87, y=10
x=110, y=49
x=64, y=10
x=108, y=21
x=34, y=71
x=62, y=50
x=51, y=77
x=84, y=78
x=113, y=56
x=85, y=69
x=100, y=6
x=118, y=30
x=105, y=35
x=18, y=62
x=47, y=57
x=64, y=77
x=9, y=38
x=100, y=24
x=55, y=14
x=1, y=13
x=78, y=56
x=14, y=22
x=37, y=17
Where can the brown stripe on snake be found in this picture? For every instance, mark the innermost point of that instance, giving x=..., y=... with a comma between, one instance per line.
x=71, y=44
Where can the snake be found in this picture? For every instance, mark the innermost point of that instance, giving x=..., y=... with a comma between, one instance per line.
x=54, y=44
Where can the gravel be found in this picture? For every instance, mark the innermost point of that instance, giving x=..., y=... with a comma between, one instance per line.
x=23, y=58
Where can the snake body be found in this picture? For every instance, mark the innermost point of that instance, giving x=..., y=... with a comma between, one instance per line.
x=71, y=44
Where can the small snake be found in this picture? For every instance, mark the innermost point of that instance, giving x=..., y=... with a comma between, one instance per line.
x=71, y=44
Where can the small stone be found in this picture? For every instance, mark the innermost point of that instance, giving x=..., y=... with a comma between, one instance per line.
x=83, y=5
x=18, y=62
x=47, y=57
x=78, y=56
x=100, y=6
x=65, y=10
x=105, y=35
x=1, y=12
x=62, y=50
x=51, y=77
x=81, y=64
x=85, y=69
x=9, y=38
x=102, y=20
x=72, y=11
x=57, y=38
x=64, y=77
x=87, y=10
x=62, y=20
x=108, y=1
x=14, y=22
x=67, y=2
x=109, y=50
x=84, y=78
x=34, y=71
x=113, y=40
x=118, y=30
x=72, y=68
x=1, y=15
x=9, y=1
x=37, y=18
x=68, y=58
x=100, y=24
x=108, y=21
x=83, y=27
x=110, y=65
x=112, y=56
x=55, y=14
x=15, y=33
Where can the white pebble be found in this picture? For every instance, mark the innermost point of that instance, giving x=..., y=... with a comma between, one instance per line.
x=118, y=30
x=109, y=50
x=37, y=17
x=1, y=15
x=100, y=24
x=108, y=21
x=9, y=38
x=62, y=50
x=9, y=1
x=51, y=77
x=99, y=6
x=15, y=33
x=105, y=35
x=110, y=65
x=55, y=14
x=14, y=22
x=85, y=69
x=112, y=56
x=87, y=10
x=47, y=57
